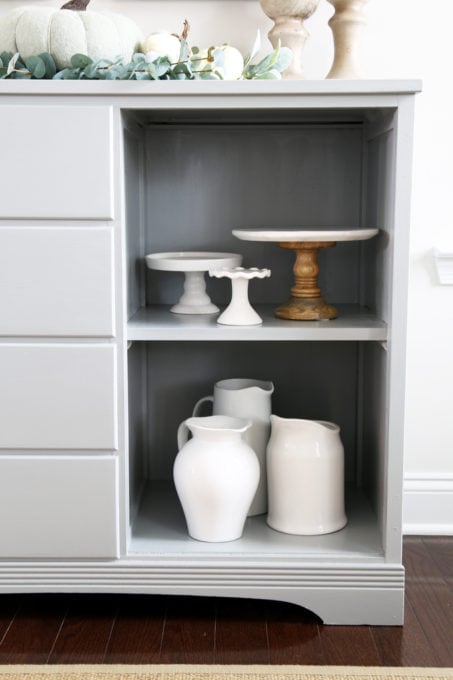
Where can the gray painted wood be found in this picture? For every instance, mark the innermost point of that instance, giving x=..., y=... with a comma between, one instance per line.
x=336, y=150
x=156, y=322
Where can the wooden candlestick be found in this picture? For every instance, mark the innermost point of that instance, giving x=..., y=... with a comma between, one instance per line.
x=347, y=24
x=289, y=30
x=306, y=302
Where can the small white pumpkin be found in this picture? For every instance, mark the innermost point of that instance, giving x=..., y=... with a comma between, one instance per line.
x=164, y=44
x=67, y=31
x=233, y=65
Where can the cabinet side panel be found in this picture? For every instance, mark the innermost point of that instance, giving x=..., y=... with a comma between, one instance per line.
x=133, y=153
x=379, y=212
x=138, y=424
x=375, y=427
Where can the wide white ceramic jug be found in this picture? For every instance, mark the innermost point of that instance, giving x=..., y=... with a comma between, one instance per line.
x=305, y=468
x=216, y=475
x=250, y=399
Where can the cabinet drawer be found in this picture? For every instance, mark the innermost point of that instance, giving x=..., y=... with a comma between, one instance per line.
x=56, y=396
x=60, y=507
x=56, y=162
x=56, y=281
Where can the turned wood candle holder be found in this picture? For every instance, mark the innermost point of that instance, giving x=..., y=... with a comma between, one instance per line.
x=289, y=29
x=347, y=24
x=306, y=302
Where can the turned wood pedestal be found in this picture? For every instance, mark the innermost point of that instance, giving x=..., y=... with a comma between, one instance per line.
x=306, y=302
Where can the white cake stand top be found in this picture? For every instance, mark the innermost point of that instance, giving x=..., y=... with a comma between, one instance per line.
x=193, y=264
x=191, y=261
x=305, y=234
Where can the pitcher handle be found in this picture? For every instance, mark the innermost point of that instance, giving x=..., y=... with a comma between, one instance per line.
x=201, y=401
x=182, y=434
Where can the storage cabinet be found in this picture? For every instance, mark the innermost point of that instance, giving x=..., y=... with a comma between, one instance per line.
x=189, y=162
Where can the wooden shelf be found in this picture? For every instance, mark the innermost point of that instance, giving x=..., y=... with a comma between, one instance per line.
x=158, y=323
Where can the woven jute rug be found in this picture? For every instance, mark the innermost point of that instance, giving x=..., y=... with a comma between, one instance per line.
x=233, y=672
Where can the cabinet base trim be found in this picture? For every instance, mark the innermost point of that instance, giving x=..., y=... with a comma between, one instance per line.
x=338, y=596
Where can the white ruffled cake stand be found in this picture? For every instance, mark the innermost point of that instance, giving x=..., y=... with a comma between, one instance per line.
x=240, y=312
x=195, y=299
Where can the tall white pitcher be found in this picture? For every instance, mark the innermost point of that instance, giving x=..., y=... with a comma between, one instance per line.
x=305, y=467
x=249, y=399
x=216, y=474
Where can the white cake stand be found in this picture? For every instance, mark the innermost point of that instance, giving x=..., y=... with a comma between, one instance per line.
x=306, y=302
x=240, y=312
x=194, y=300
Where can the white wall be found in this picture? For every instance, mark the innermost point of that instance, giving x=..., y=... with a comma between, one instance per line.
x=405, y=38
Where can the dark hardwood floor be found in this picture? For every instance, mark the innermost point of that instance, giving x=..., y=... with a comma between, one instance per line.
x=67, y=629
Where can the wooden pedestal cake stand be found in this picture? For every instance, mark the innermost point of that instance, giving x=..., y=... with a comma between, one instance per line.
x=306, y=302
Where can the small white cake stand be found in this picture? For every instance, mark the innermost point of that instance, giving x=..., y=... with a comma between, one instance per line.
x=194, y=300
x=240, y=312
x=306, y=302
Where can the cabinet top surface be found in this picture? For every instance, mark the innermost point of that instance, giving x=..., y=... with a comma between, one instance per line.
x=215, y=89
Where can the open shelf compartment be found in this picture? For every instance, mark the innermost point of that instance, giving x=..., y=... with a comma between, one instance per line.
x=192, y=175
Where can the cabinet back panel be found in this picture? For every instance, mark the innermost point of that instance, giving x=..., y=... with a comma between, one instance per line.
x=202, y=181
x=312, y=380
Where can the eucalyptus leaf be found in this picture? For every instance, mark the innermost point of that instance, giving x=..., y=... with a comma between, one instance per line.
x=49, y=63
x=36, y=66
x=208, y=75
x=80, y=61
x=67, y=74
x=12, y=64
x=284, y=59
x=254, y=51
x=273, y=74
x=6, y=57
x=144, y=75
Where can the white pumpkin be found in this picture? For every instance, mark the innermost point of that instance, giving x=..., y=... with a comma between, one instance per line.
x=233, y=65
x=164, y=44
x=65, y=32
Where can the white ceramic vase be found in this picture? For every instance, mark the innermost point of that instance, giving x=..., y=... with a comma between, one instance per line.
x=289, y=29
x=347, y=24
x=305, y=468
x=216, y=475
x=250, y=399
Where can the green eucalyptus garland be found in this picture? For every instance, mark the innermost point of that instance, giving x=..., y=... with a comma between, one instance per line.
x=190, y=66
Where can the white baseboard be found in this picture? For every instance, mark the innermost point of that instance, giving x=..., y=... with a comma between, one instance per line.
x=428, y=505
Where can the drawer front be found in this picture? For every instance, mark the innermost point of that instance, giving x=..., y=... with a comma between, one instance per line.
x=56, y=162
x=56, y=281
x=60, y=507
x=58, y=396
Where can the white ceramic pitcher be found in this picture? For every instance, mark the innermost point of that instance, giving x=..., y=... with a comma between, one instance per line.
x=305, y=468
x=216, y=475
x=250, y=399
